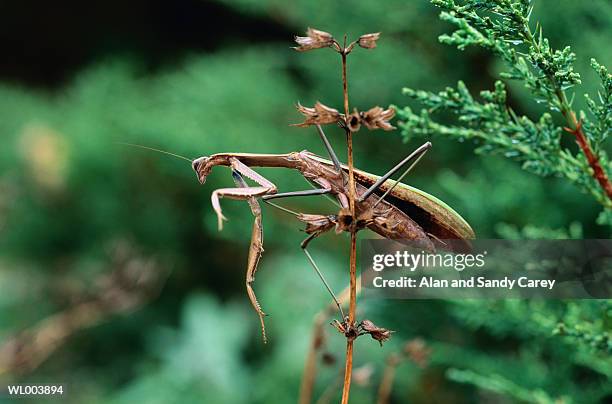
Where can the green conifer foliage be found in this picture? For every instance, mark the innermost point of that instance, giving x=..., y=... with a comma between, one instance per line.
x=503, y=28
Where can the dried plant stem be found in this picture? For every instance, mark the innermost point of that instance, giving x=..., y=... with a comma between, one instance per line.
x=345, y=85
x=384, y=390
x=375, y=118
x=310, y=367
x=317, y=341
x=348, y=370
x=132, y=283
x=350, y=337
x=330, y=391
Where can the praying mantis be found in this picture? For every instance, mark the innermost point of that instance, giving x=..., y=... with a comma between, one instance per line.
x=390, y=208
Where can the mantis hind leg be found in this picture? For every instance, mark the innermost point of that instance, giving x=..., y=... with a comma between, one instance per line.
x=255, y=250
x=324, y=224
x=314, y=265
x=415, y=155
x=329, y=148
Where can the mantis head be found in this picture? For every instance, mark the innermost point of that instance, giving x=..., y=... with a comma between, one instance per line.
x=201, y=168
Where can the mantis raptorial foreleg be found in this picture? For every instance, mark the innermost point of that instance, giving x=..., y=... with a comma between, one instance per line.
x=267, y=189
x=247, y=192
x=255, y=250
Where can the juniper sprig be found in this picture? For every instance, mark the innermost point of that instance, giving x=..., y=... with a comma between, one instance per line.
x=503, y=28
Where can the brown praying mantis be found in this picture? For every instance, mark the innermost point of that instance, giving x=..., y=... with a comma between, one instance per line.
x=389, y=208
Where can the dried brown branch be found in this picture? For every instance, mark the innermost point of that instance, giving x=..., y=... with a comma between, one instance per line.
x=375, y=118
x=414, y=350
x=330, y=391
x=350, y=334
x=317, y=341
x=386, y=384
x=310, y=367
x=133, y=282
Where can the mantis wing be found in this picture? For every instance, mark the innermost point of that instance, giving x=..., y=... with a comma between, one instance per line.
x=433, y=215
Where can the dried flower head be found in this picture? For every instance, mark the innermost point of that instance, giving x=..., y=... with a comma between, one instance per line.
x=378, y=333
x=368, y=41
x=353, y=122
x=317, y=223
x=378, y=118
x=319, y=114
x=342, y=327
x=314, y=39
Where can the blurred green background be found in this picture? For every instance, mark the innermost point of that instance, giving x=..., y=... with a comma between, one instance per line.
x=113, y=277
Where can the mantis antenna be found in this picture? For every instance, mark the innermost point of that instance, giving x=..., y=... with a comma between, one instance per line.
x=156, y=150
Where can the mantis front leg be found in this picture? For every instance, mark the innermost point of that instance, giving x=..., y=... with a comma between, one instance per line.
x=244, y=193
x=255, y=250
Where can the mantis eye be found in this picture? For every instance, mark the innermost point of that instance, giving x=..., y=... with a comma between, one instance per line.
x=197, y=167
x=197, y=163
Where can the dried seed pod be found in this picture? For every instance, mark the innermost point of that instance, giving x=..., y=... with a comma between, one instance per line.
x=368, y=41
x=319, y=114
x=353, y=122
x=314, y=39
x=344, y=220
x=378, y=118
x=317, y=223
x=378, y=333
